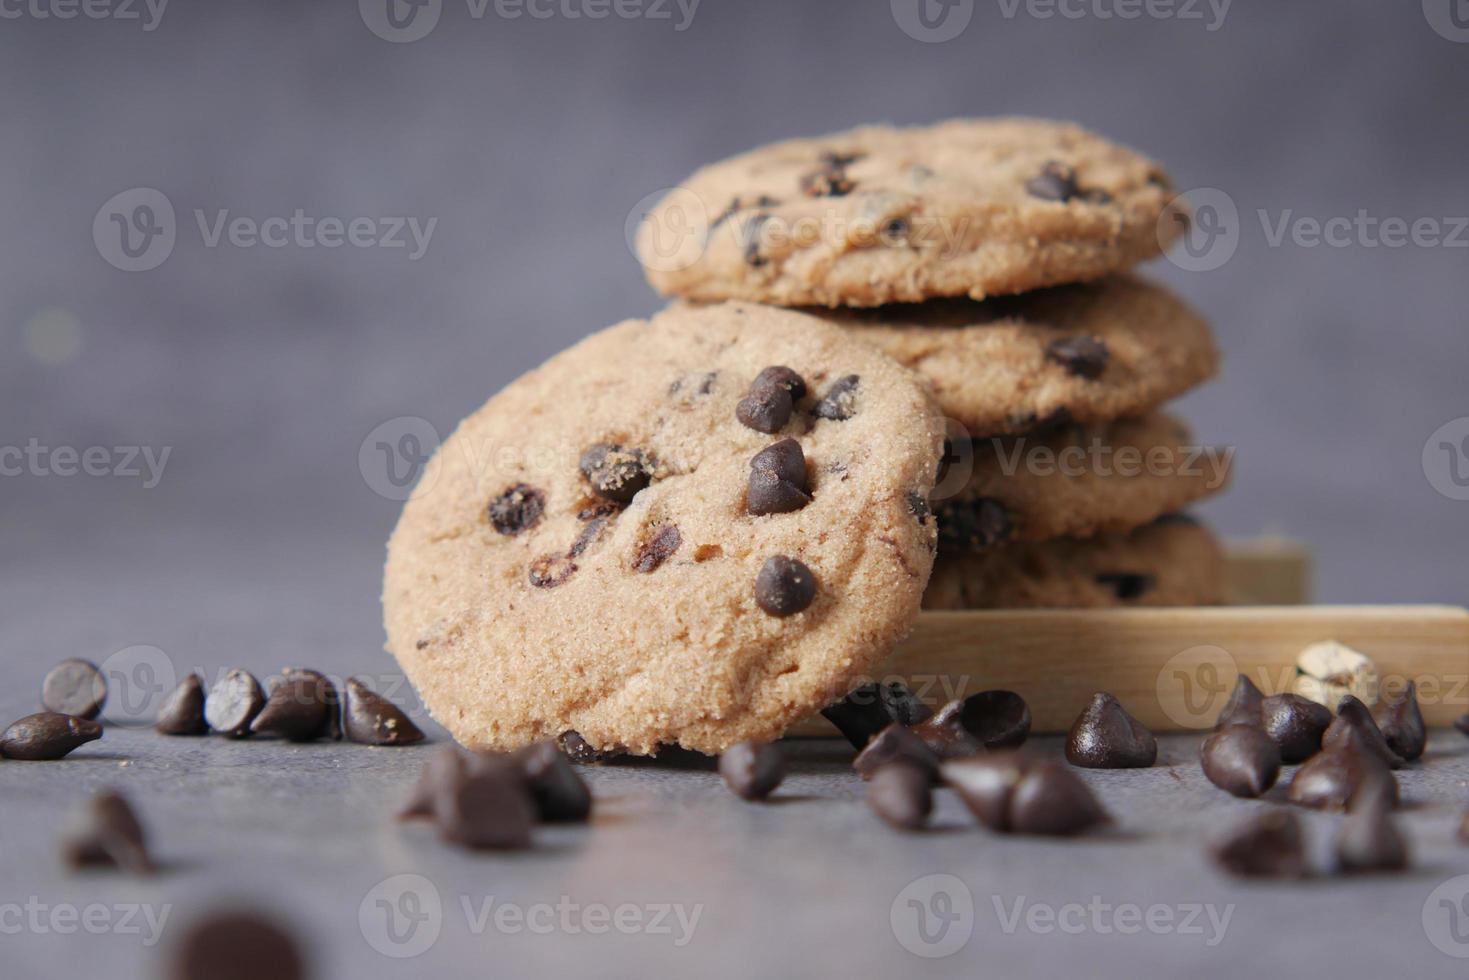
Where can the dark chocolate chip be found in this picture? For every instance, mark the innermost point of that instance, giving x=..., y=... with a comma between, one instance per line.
x=946, y=735
x=989, y=719
x=615, y=473
x=657, y=549
x=517, y=509
x=549, y=571
x=1352, y=715
x=236, y=946
x=785, y=586
x=1127, y=586
x=1296, y=724
x=752, y=770
x=974, y=525
x=444, y=769
x=233, y=702
x=182, y=712
x=46, y=736
x=895, y=742
x=785, y=459
x=372, y=719
x=1246, y=705
x=1052, y=799
x=74, y=687
x=783, y=377
x=108, y=834
x=1368, y=840
x=696, y=385
x=870, y=708
x=918, y=506
x=985, y=784
x=894, y=231
x=1082, y=357
x=768, y=494
x=1268, y=845
x=1105, y=736
x=1055, y=182
x=579, y=751
x=1332, y=777
x=752, y=235
x=333, y=727
x=901, y=793
x=297, y=709
x=766, y=408
x=830, y=178
x=1241, y=760
x=559, y=792
x=489, y=807
x=1401, y=723
x=840, y=401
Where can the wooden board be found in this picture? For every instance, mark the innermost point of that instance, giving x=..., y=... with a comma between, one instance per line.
x=1172, y=668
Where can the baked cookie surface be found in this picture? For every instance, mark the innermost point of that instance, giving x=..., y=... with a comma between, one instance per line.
x=968, y=207
x=1073, y=482
x=594, y=551
x=1113, y=349
x=1171, y=562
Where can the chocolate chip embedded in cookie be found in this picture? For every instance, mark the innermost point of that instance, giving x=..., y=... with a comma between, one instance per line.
x=611, y=550
x=969, y=207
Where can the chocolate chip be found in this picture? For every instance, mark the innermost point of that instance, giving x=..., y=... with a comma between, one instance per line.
x=1127, y=586
x=975, y=525
x=785, y=459
x=233, y=702
x=329, y=694
x=236, y=946
x=1051, y=799
x=752, y=236
x=918, y=506
x=1401, y=723
x=752, y=770
x=444, y=769
x=830, y=178
x=372, y=719
x=767, y=493
x=900, y=792
x=1331, y=778
x=946, y=735
x=46, y=736
x=517, y=509
x=1296, y=724
x=766, y=408
x=1246, y=705
x=892, y=743
x=489, y=807
x=785, y=586
x=783, y=377
x=74, y=687
x=1368, y=840
x=657, y=549
x=1082, y=357
x=989, y=719
x=615, y=473
x=1241, y=760
x=297, y=709
x=696, y=385
x=1352, y=715
x=579, y=751
x=985, y=784
x=108, y=834
x=182, y=712
x=1268, y=845
x=1105, y=736
x=549, y=571
x=559, y=792
x=840, y=401
x=869, y=709
x=1055, y=182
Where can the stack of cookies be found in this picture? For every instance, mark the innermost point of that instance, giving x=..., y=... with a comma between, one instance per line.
x=993, y=258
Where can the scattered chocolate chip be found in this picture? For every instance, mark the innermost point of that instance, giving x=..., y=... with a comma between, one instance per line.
x=236, y=946
x=1052, y=799
x=1268, y=845
x=1401, y=723
x=333, y=727
x=869, y=709
x=1105, y=736
x=615, y=473
x=785, y=586
x=108, y=834
x=233, y=702
x=559, y=792
x=1082, y=357
x=895, y=742
x=579, y=751
x=783, y=377
x=918, y=506
x=1352, y=715
x=840, y=401
x=489, y=807
x=765, y=409
x=946, y=735
x=443, y=770
x=657, y=549
x=752, y=770
x=900, y=792
x=1369, y=841
x=769, y=493
x=46, y=736
x=296, y=710
x=1296, y=724
x=985, y=784
x=1055, y=182
x=1332, y=777
x=1127, y=586
x=1246, y=705
x=1241, y=760
x=989, y=720
x=372, y=719
x=974, y=525
x=517, y=509
x=74, y=687
x=182, y=712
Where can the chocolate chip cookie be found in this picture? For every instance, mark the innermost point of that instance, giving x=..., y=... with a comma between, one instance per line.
x=1073, y=481
x=1171, y=562
x=1117, y=348
x=969, y=207
x=692, y=530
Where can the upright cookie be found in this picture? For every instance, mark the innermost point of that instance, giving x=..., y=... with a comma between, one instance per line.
x=969, y=207
x=1171, y=562
x=1073, y=481
x=1092, y=353
x=693, y=530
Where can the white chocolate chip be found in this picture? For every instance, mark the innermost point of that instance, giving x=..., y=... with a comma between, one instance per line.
x=1328, y=671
